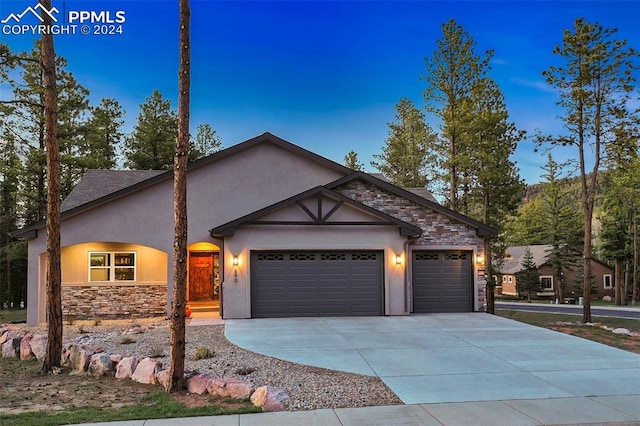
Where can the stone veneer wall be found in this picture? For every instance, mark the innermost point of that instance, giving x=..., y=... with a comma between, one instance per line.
x=114, y=301
x=438, y=229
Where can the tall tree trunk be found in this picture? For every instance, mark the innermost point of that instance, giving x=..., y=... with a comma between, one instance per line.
x=176, y=368
x=618, y=282
x=586, y=279
x=54, y=278
x=634, y=298
x=453, y=176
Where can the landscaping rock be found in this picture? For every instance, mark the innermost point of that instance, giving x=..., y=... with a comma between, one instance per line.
x=7, y=333
x=101, y=365
x=145, y=371
x=79, y=358
x=25, y=348
x=126, y=367
x=162, y=378
x=199, y=383
x=39, y=346
x=621, y=331
x=11, y=348
x=607, y=299
x=270, y=398
x=231, y=388
x=116, y=358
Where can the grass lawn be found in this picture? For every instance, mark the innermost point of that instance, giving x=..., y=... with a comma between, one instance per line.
x=28, y=398
x=13, y=315
x=572, y=324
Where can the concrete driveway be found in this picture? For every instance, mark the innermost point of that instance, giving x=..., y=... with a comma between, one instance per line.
x=443, y=358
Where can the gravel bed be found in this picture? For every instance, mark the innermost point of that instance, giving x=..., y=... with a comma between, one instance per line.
x=308, y=387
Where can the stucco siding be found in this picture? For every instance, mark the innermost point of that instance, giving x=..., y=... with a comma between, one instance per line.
x=236, y=294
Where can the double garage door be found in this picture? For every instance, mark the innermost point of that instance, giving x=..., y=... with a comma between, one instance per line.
x=349, y=283
x=316, y=283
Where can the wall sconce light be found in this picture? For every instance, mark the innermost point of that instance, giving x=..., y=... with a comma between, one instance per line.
x=479, y=259
x=398, y=259
x=235, y=263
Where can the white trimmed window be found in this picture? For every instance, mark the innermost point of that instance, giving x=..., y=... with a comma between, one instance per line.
x=608, y=281
x=112, y=266
x=510, y=279
x=504, y=278
x=546, y=282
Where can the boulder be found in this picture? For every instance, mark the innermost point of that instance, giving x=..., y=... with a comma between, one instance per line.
x=39, y=345
x=621, y=331
x=79, y=358
x=25, y=348
x=11, y=348
x=231, y=388
x=126, y=367
x=199, y=383
x=145, y=371
x=101, y=365
x=116, y=358
x=607, y=299
x=270, y=398
x=6, y=334
x=162, y=378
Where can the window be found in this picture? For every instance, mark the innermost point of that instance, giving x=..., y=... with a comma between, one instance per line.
x=112, y=266
x=608, y=282
x=504, y=278
x=510, y=279
x=546, y=283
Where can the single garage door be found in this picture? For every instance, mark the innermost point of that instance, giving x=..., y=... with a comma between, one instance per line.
x=442, y=281
x=316, y=283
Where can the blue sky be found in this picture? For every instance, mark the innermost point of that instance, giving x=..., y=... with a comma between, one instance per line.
x=324, y=75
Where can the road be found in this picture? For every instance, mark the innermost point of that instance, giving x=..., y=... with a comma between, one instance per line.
x=598, y=311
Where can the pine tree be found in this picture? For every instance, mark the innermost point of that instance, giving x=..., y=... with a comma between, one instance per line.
x=151, y=144
x=102, y=136
x=528, y=278
x=562, y=224
x=179, y=298
x=53, y=354
x=453, y=74
x=205, y=143
x=595, y=82
x=404, y=157
x=352, y=162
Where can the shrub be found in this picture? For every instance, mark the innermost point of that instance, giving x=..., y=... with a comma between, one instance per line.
x=203, y=352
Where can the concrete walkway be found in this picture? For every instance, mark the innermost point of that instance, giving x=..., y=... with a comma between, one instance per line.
x=450, y=369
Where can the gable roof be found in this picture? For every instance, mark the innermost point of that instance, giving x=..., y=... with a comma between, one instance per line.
x=513, y=263
x=228, y=229
x=482, y=229
x=89, y=198
x=99, y=183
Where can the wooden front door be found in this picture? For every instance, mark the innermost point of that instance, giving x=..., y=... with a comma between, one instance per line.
x=201, y=276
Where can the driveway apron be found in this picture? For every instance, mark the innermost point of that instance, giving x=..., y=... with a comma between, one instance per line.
x=444, y=358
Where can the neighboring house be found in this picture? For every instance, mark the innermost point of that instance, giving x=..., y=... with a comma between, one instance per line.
x=601, y=272
x=274, y=231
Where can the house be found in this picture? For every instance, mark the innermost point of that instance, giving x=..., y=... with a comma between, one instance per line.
x=274, y=231
x=602, y=274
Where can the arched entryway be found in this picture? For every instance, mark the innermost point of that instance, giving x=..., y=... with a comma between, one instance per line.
x=204, y=277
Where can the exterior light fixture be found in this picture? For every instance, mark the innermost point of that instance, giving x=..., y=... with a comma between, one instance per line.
x=479, y=259
x=398, y=259
x=235, y=263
